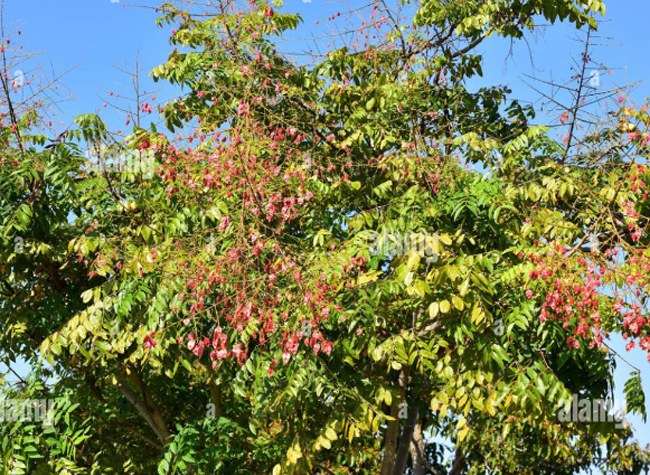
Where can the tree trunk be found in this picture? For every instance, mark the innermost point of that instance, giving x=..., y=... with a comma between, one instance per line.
x=390, y=440
x=419, y=461
x=392, y=431
x=405, y=440
x=144, y=403
x=138, y=381
x=457, y=468
x=146, y=413
x=215, y=392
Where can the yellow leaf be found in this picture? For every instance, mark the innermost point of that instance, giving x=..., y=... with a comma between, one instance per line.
x=413, y=262
x=463, y=288
x=432, y=244
x=388, y=397
x=462, y=422
x=477, y=315
x=434, y=308
x=369, y=277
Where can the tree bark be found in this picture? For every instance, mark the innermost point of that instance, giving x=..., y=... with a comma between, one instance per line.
x=143, y=410
x=137, y=380
x=419, y=460
x=457, y=468
x=405, y=440
x=392, y=431
x=144, y=403
x=390, y=443
x=215, y=392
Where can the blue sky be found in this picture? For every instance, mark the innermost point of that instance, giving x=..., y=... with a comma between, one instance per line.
x=85, y=39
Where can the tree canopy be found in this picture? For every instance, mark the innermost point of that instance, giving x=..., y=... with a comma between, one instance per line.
x=352, y=264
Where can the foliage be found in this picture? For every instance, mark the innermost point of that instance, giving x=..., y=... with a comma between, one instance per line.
x=237, y=312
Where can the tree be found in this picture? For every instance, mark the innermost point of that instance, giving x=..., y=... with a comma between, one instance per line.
x=312, y=280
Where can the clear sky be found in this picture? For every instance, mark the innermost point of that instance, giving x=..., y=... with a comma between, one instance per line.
x=85, y=39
